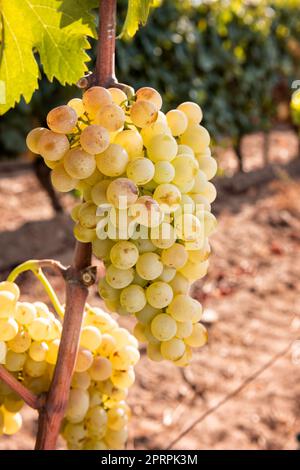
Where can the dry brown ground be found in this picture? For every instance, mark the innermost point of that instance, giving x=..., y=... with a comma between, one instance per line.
x=251, y=304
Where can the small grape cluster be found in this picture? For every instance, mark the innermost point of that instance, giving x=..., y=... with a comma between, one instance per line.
x=145, y=181
x=97, y=413
x=29, y=339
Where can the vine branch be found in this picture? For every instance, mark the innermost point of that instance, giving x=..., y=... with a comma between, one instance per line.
x=30, y=398
x=105, y=62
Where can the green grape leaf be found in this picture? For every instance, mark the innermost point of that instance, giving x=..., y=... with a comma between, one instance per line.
x=137, y=13
x=56, y=30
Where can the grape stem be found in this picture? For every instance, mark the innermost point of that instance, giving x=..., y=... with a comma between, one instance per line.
x=104, y=74
x=105, y=63
x=35, y=266
x=80, y=275
x=30, y=398
x=50, y=292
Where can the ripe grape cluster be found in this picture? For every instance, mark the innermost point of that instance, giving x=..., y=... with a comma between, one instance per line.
x=145, y=181
x=97, y=413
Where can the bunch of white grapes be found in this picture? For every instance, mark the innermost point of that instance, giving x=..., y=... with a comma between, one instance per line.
x=97, y=413
x=145, y=181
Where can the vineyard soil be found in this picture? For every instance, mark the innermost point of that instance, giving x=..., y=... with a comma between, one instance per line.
x=250, y=300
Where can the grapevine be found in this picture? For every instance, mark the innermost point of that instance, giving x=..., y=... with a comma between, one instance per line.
x=145, y=211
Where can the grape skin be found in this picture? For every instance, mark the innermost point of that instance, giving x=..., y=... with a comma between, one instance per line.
x=149, y=94
x=172, y=349
x=141, y=171
x=143, y=113
x=198, y=337
x=98, y=192
x=163, y=327
x=62, y=119
x=94, y=98
x=119, y=278
x=53, y=146
x=158, y=127
x=122, y=192
x=77, y=105
x=133, y=298
x=94, y=139
x=192, y=111
x=159, y=294
x=177, y=121
x=162, y=147
x=118, y=96
x=111, y=117
x=149, y=266
x=61, y=180
x=196, y=137
x=132, y=142
x=79, y=164
x=184, y=308
x=33, y=138
x=124, y=255
x=175, y=257
x=164, y=172
x=113, y=161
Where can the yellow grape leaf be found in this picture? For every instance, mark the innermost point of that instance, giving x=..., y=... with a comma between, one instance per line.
x=137, y=14
x=56, y=30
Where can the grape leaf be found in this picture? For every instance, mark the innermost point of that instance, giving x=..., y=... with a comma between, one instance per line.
x=137, y=13
x=56, y=30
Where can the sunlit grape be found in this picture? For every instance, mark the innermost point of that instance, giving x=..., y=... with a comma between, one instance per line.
x=131, y=141
x=118, y=96
x=163, y=327
x=61, y=180
x=192, y=111
x=149, y=266
x=164, y=172
x=177, y=121
x=140, y=171
x=133, y=298
x=79, y=164
x=172, y=349
x=53, y=146
x=111, y=116
x=149, y=94
x=159, y=294
x=198, y=337
x=124, y=255
x=94, y=139
x=162, y=147
x=33, y=138
x=77, y=105
x=143, y=113
x=95, y=98
x=113, y=161
x=122, y=192
x=62, y=119
x=196, y=137
x=8, y=329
